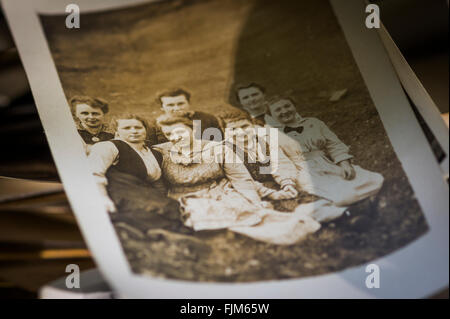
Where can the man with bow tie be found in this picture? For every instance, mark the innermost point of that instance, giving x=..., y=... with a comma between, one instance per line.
x=322, y=159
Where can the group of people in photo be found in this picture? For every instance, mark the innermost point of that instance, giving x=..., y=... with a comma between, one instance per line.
x=163, y=176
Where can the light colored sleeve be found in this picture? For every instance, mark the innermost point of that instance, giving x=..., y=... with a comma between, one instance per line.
x=101, y=157
x=291, y=149
x=240, y=178
x=262, y=190
x=283, y=170
x=281, y=167
x=337, y=150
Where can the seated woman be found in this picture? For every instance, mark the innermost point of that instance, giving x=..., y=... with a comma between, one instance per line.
x=323, y=161
x=89, y=114
x=128, y=174
x=271, y=169
x=218, y=193
x=282, y=171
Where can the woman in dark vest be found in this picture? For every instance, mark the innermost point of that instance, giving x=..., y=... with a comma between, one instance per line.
x=258, y=160
x=128, y=173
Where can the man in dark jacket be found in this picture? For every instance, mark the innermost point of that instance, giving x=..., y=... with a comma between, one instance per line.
x=177, y=102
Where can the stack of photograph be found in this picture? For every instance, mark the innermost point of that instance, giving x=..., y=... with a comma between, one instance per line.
x=38, y=231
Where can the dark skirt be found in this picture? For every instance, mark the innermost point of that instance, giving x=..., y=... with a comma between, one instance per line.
x=142, y=205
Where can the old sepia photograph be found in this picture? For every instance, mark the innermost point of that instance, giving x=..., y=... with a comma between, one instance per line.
x=227, y=149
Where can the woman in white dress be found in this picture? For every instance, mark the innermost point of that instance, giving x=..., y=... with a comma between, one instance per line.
x=322, y=159
x=277, y=171
x=217, y=192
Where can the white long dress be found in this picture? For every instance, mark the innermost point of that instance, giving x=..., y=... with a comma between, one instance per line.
x=316, y=152
x=218, y=195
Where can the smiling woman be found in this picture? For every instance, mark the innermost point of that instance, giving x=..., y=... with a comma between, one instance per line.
x=128, y=174
x=216, y=195
x=89, y=113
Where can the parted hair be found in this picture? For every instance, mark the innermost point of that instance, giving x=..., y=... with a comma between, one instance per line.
x=127, y=116
x=250, y=85
x=173, y=93
x=170, y=119
x=94, y=102
x=277, y=98
x=232, y=115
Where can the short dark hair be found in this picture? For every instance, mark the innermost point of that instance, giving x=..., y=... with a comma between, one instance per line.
x=169, y=119
x=128, y=116
x=251, y=85
x=277, y=98
x=175, y=92
x=232, y=115
x=95, y=102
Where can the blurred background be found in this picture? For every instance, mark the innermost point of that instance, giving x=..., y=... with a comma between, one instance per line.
x=38, y=233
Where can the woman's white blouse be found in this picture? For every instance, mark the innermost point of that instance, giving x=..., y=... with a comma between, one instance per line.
x=105, y=154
